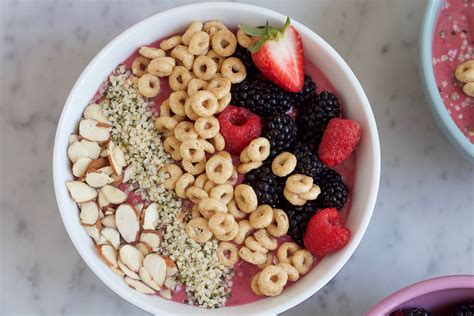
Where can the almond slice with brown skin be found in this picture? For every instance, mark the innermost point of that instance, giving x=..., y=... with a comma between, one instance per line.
x=170, y=283
x=102, y=241
x=107, y=170
x=127, y=270
x=127, y=223
x=116, y=158
x=128, y=174
x=93, y=232
x=79, y=168
x=97, y=164
x=139, y=286
x=139, y=209
x=156, y=267
x=113, y=194
x=89, y=214
x=95, y=112
x=132, y=257
x=150, y=216
x=94, y=131
x=80, y=191
x=170, y=271
x=109, y=211
x=144, y=248
x=152, y=238
x=109, y=221
x=146, y=278
x=104, y=153
x=112, y=236
x=84, y=148
x=103, y=202
x=108, y=254
x=98, y=179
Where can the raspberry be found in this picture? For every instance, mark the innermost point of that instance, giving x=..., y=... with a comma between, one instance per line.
x=325, y=233
x=238, y=126
x=339, y=141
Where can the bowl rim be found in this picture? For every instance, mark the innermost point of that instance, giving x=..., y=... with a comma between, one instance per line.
x=430, y=88
x=418, y=289
x=375, y=154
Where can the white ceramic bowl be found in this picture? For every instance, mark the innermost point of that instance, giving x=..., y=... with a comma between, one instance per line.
x=356, y=107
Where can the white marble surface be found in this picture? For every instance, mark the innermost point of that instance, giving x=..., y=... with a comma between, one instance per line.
x=423, y=223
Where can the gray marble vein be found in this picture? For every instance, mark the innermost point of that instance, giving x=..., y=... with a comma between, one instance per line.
x=422, y=226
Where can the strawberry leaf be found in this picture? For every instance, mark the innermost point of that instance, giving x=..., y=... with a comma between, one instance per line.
x=253, y=31
x=256, y=47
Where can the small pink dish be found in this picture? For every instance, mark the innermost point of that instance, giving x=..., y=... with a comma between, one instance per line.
x=433, y=295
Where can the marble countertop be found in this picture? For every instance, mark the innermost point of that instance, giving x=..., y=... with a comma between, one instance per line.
x=422, y=225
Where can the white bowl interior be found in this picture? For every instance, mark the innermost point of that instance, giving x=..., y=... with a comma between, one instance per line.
x=318, y=52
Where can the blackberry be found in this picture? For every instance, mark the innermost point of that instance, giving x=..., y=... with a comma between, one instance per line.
x=308, y=91
x=267, y=186
x=307, y=161
x=412, y=312
x=245, y=56
x=281, y=131
x=315, y=115
x=261, y=96
x=463, y=310
x=334, y=191
x=298, y=217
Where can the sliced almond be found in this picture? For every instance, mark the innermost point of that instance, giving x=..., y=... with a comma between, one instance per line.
x=156, y=267
x=112, y=236
x=170, y=271
x=95, y=112
x=170, y=283
x=97, y=164
x=108, y=254
x=73, y=138
x=146, y=278
x=127, y=223
x=152, y=238
x=109, y=221
x=150, y=216
x=109, y=211
x=128, y=174
x=132, y=257
x=79, y=168
x=107, y=170
x=117, y=271
x=166, y=294
x=116, y=158
x=127, y=270
x=139, y=209
x=102, y=241
x=98, y=179
x=113, y=194
x=139, y=286
x=104, y=153
x=103, y=202
x=94, y=131
x=117, y=179
x=84, y=148
x=144, y=248
x=93, y=232
x=80, y=191
x=89, y=213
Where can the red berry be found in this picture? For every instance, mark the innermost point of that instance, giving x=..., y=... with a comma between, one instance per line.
x=239, y=127
x=340, y=139
x=325, y=233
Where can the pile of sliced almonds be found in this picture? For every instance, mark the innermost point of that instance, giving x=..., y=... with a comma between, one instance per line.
x=125, y=236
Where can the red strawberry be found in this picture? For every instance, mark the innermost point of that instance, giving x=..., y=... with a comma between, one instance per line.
x=325, y=233
x=339, y=141
x=278, y=53
x=239, y=127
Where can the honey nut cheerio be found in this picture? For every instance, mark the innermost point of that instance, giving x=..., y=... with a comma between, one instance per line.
x=176, y=102
x=220, y=87
x=245, y=198
x=222, y=192
x=254, y=245
x=291, y=271
x=179, y=78
x=271, y=281
x=244, y=229
x=265, y=240
x=165, y=109
x=302, y=260
x=183, y=184
x=194, y=168
x=161, y=66
x=234, y=210
x=224, y=42
x=193, y=28
x=468, y=89
x=173, y=172
x=299, y=183
x=280, y=223
x=234, y=70
x=261, y=217
x=286, y=251
x=196, y=195
x=284, y=164
x=171, y=146
x=199, y=43
x=204, y=68
x=149, y=85
x=204, y=103
x=269, y=261
x=465, y=72
x=209, y=206
x=200, y=181
x=211, y=27
x=198, y=230
x=252, y=257
x=227, y=253
x=181, y=53
x=243, y=39
x=184, y=131
x=216, y=58
x=171, y=42
x=258, y=149
x=192, y=150
x=224, y=226
x=139, y=66
x=219, y=170
x=254, y=284
x=207, y=127
x=151, y=52
x=196, y=85
x=311, y=194
x=293, y=198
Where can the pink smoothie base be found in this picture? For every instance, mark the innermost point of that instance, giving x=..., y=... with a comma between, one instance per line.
x=241, y=292
x=453, y=43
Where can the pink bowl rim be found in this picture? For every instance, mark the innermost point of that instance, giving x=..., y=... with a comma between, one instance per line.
x=410, y=292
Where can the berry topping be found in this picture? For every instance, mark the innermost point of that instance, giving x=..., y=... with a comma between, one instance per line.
x=307, y=161
x=308, y=91
x=298, y=217
x=281, y=132
x=339, y=141
x=267, y=186
x=334, y=191
x=411, y=312
x=325, y=233
x=278, y=53
x=239, y=127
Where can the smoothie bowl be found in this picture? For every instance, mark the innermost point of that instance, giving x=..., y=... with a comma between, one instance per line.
x=206, y=162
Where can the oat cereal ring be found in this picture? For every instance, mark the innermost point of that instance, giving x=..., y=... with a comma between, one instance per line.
x=171, y=42
x=209, y=185
x=218, y=142
x=225, y=155
x=244, y=230
x=220, y=87
x=284, y=164
x=139, y=66
x=191, y=150
x=165, y=109
x=299, y=183
x=254, y=245
x=196, y=195
x=212, y=27
x=184, y=182
x=196, y=85
x=179, y=118
x=221, y=223
x=268, y=262
x=245, y=198
x=171, y=146
x=286, y=251
x=182, y=54
x=243, y=39
x=189, y=110
x=261, y=217
x=227, y=253
x=207, y=146
x=258, y=149
x=207, y=127
x=292, y=272
x=174, y=172
x=311, y=194
x=177, y=100
x=219, y=169
x=199, y=43
x=193, y=28
x=151, y=52
x=222, y=192
x=265, y=240
x=204, y=103
x=254, y=284
x=244, y=156
x=302, y=260
x=271, y=281
x=209, y=206
x=293, y=198
x=224, y=43
x=280, y=223
x=200, y=181
x=195, y=168
x=217, y=59
x=149, y=85
x=161, y=66
x=195, y=212
x=465, y=72
x=184, y=131
x=224, y=102
x=234, y=210
x=249, y=166
x=468, y=89
x=230, y=235
x=204, y=68
x=179, y=78
x=198, y=230
x=252, y=257
x=234, y=70
x=165, y=124
x=234, y=177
